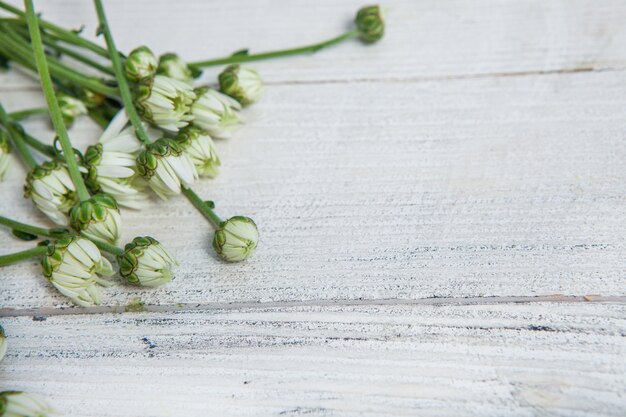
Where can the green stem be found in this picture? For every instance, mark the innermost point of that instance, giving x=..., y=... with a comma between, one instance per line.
x=23, y=255
x=65, y=35
x=33, y=230
x=41, y=147
x=16, y=116
x=17, y=139
x=16, y=47
x=202, y=207
x=50, y=42
x=107, y=247
x=276, y=54
x=53, y=105
x=127, y=99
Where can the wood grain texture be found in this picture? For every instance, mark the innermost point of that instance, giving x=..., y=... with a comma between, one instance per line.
x=478, y=152
x=424, y=39
x=513, y=360
x=475, y=187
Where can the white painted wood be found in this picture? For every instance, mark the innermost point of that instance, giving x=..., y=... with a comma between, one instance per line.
x=425, y=39
x=475, y=187
x=485, y=360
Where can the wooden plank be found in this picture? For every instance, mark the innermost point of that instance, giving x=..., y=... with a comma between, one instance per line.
x=484, y=360
x=473, y=187
x=425, y=39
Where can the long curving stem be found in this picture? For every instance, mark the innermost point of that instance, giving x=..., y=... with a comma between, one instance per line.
x=238, y=58
x=53, y=104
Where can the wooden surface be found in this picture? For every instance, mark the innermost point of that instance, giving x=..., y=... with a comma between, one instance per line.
x=442, y=220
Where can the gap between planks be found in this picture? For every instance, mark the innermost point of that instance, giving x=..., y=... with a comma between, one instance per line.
x=414, y=79
x=136, y=306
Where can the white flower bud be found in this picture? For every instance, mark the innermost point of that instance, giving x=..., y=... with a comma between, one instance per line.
x=97, y=218
x=166, y=103
x=50, y=187
x=71, y=108
x=200, y=148
x=216, y=113
x=3, y=345
x=72, y=264
x=166, y=167
x=111, y=164
x=236, y=239
x=140, y=65
x=241, y=83
x=171, y=65
x=5, y=156
x=146, y=262
x=21, y=404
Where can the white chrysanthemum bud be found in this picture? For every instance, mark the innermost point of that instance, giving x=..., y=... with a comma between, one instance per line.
x=146, y=262
x=171, y=65
x=140, y=65
x=72, y=264
x=166, y=102
x=216, y=113
x=50, y=187
x=241, y=83
x=166, y=167
x=111, y=164
x=3, y=345
x=71, y=108
x=199, y=146
x=97, y=218
x=5, y=156
x=21, y=404
x=236, y=239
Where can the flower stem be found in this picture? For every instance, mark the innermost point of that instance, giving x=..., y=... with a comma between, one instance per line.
x=127, y=99
x=53, y=105
x=41, y=147
x=62, y=34
x=51, y=42
x=23, y=255
x=202, y=207
x=16, y=116
x=107, y=247
x=275, y=54
x=19, y=50
x=33, y=230
x=17, y=139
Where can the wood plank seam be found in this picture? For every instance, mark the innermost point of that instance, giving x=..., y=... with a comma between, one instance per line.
x=432, y=301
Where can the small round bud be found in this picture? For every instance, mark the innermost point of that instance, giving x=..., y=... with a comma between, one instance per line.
x=141, y=64
x=97, y=218
x=3, y=344
x=236, y=239
x=370, y=23
x=5, y=156
x=241, y=83
x=146, y=262
x=171, y=65
x=71, y=108
x=21, y=404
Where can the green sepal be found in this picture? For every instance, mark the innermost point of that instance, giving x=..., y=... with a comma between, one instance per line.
x=229, y=84
x=369, y=21
x=37, y=173
x=5, y=143
x=94, y=210
x=148, y=159
x=54, y=255
x=23, y=235
x=129, y=261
